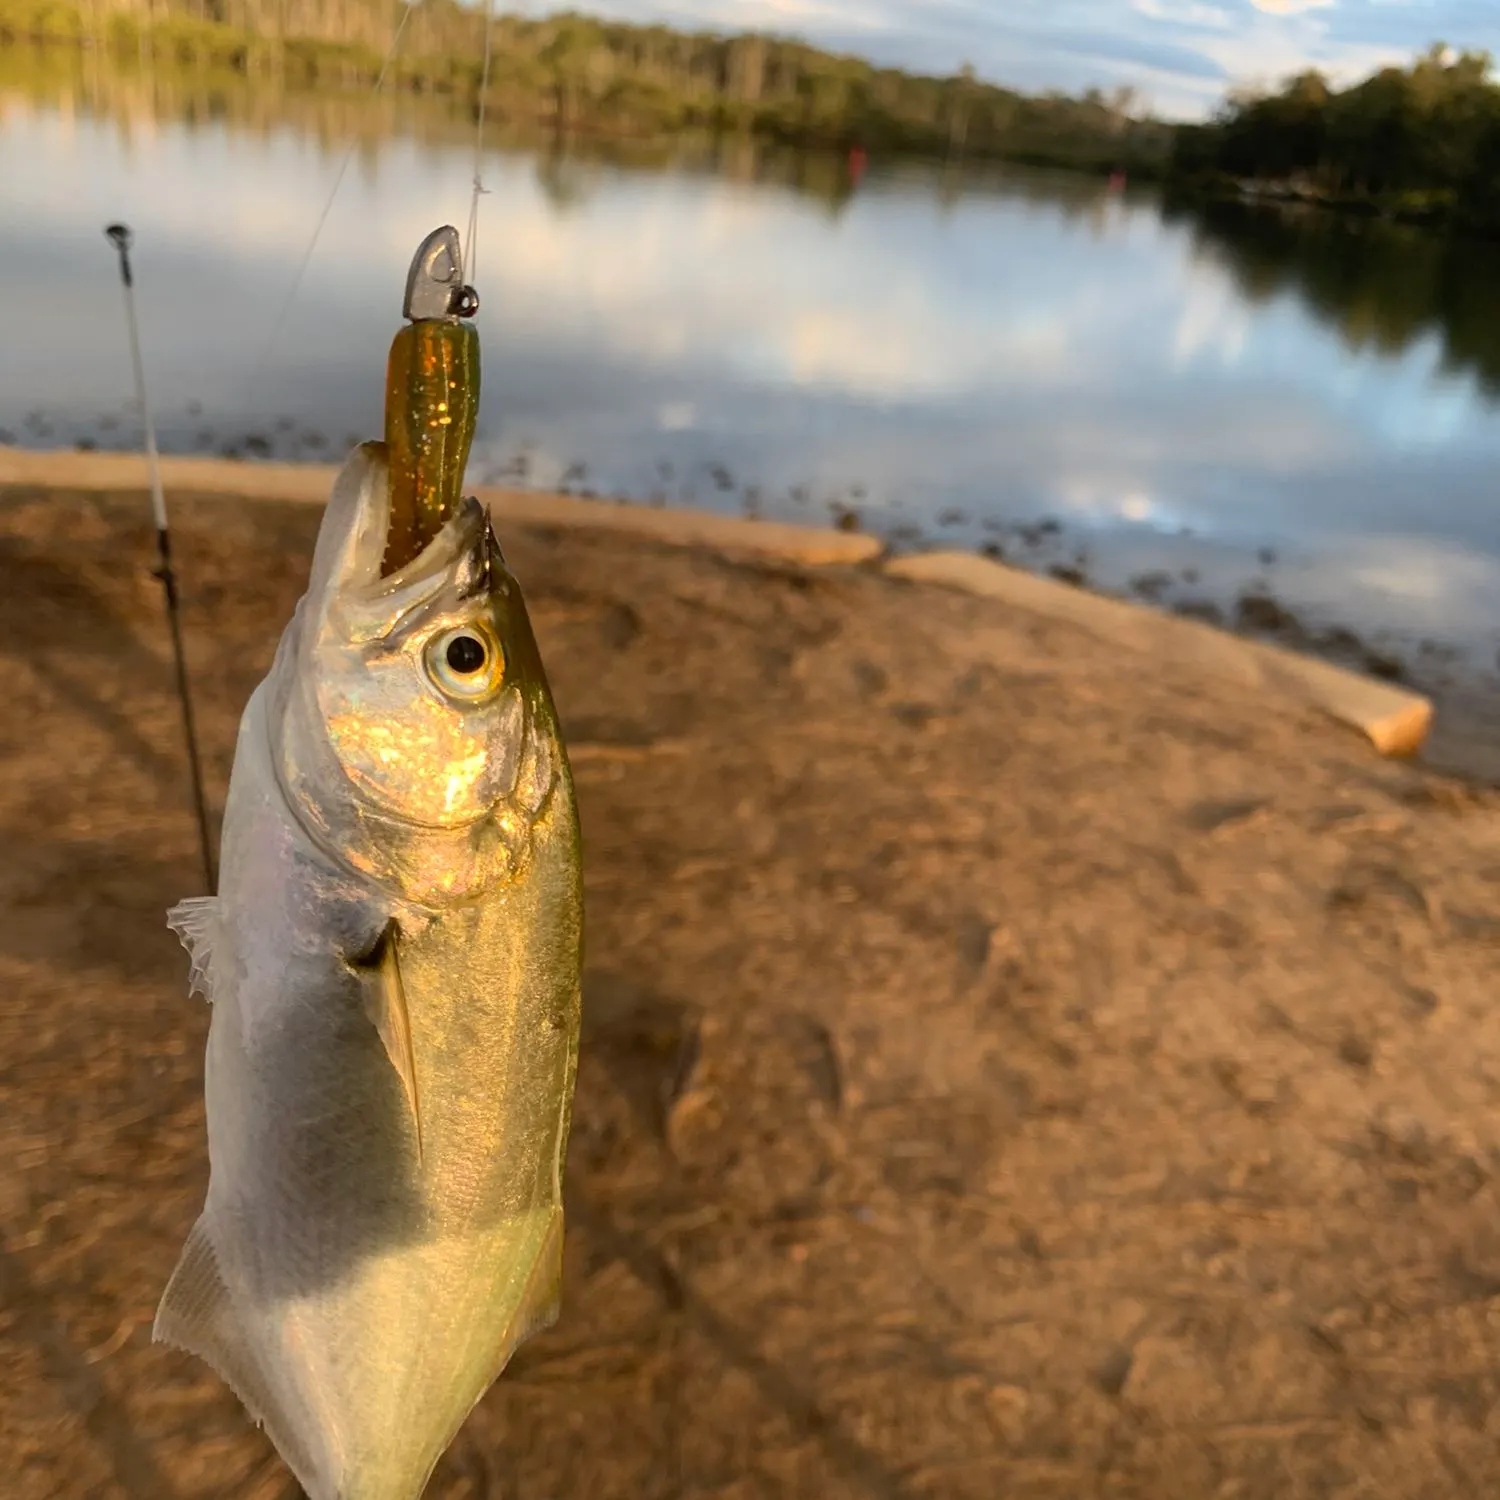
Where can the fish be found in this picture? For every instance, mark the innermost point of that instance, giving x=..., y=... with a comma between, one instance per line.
x=393, y=959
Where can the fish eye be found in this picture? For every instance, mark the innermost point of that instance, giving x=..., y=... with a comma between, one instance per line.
x=464, y=663
x=465, y=654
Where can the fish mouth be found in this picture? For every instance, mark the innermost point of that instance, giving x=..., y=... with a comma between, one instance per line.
x=362, y=603
x=460, y=565
x=462, y=551
x=415, y=519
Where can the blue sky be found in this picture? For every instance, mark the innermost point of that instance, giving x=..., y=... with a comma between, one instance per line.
x=1180, y=54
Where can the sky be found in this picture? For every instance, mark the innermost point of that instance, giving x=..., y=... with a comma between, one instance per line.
x=1180, y=55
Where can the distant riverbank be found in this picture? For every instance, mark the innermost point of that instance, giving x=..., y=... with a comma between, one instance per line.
x=1412, y=208
x=577, y=75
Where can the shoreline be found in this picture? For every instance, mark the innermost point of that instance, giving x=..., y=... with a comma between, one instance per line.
x=1414, y=212
x=1395, y=720
x=606, y=140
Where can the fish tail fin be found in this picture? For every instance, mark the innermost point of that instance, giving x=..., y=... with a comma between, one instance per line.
x=198, y=1316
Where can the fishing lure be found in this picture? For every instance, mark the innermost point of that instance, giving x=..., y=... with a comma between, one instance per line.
x=431, y=397
x=393, y=960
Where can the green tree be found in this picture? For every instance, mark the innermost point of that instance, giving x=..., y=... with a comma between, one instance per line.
x=1419, y=141
x=579, y=73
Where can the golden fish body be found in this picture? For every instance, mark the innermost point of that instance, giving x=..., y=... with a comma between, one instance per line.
x=393, y=960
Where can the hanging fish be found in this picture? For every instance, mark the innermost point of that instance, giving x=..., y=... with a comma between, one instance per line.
x=393, y=959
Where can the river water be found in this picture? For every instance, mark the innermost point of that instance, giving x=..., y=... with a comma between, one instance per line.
x=1189, y=405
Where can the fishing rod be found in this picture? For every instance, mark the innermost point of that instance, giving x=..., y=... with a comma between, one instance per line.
x=121, y=238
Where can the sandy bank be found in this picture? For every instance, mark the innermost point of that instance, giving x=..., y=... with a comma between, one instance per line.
x=1008, y=1070
x=1395, y=720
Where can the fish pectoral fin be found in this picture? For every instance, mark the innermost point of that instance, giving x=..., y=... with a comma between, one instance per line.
x=385, y=1005
x=198, y=1316
x=196, y=923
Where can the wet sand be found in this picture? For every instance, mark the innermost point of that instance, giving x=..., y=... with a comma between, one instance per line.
x=1011, y=1067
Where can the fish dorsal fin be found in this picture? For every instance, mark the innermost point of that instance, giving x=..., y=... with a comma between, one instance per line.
x=385, y=1005
x=196, y=922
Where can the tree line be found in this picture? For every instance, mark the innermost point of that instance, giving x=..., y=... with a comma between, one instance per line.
x=1420, y=143
x=129, y=92
x=580, y=74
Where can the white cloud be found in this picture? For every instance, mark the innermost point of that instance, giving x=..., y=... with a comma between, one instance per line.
x=1289, y=7
x=1268, y=49
x=1188, y=13
x=1184, y=52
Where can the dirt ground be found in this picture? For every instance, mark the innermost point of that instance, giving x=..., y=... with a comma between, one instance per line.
x=1007, y=1072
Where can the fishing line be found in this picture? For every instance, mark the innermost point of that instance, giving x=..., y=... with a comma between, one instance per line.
x=470, y=249
x=406, y=9
x=120, y=237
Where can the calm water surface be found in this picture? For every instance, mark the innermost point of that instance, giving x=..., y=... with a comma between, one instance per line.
x=1232, y=402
